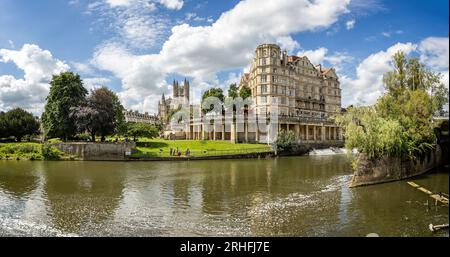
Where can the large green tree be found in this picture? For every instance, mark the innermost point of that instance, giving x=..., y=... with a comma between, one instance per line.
x=66, y=92
x=100, y=114
x=213, y=92
x=18, y=123
x=400, y=123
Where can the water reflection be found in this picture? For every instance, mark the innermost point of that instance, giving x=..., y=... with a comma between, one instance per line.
x=300, y=196
x=81, y=199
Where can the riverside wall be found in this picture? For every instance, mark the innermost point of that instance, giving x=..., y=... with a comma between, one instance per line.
x=105, y=151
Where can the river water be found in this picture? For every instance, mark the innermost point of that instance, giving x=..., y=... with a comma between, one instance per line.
x=289, y=196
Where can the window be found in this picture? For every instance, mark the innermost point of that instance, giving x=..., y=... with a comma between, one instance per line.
x=274, y=79
x=274, y=70
x=283, y=100
x=273, y=89
x=264, y=89
x=274, y=99
x=263, y=61
x=264, y=78
x=263, y=99
x=283, y=90
x=265, y=53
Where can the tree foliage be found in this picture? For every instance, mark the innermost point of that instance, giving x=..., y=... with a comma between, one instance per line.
x=100, y=114
x=233, y=91
x=142, y=130
x=245, y=92
x=285, y=141
x=400, y=123
x=18, y=123
x=66, y=91
x=213, y=92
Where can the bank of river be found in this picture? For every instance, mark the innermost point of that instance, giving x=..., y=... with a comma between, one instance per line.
x=289, y=196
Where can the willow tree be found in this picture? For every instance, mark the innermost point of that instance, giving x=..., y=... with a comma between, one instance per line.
x=400, y=123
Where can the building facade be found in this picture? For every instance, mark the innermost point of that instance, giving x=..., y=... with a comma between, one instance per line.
x=307, y=98
x=135, y=116
x=180, y=95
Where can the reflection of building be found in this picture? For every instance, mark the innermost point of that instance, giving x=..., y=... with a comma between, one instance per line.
x=180, y=96
x=135, y=116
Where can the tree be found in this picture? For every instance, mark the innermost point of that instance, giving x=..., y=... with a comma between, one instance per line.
x=213, y=92
x=233, y=91
x=101, y=113
x=285, y=141
x=142, y=130
x=2, y=125
x=400, y=123
x=245, y=92
x=18, y=123
x=66, y=92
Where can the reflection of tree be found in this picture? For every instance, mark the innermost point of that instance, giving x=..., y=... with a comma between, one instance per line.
x=18, y=179
x=83, y=195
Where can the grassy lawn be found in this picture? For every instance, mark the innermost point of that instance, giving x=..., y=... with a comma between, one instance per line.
x=153, y=147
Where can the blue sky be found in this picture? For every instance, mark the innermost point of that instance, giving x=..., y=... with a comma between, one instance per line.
x=137, y=47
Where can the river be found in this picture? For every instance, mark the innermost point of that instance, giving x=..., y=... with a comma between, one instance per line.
x=288, y=196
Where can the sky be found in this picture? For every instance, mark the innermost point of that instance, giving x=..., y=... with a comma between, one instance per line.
x=138, y=47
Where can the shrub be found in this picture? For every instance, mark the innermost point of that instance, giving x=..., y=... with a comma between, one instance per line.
x=285, y=142
x=50, y=152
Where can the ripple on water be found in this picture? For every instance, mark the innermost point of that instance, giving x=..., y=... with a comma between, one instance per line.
x=20, y=227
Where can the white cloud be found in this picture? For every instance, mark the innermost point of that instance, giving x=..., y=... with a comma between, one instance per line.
x=115, y=3
x=132, y=22
x=95, y=82
x=321, y=56
x=386, y=34
x=30, y=91
x=288, y=43
x=350, y=24
x=84, y=68
x=141, y=75
x=315, y=56
x=172, y=4
x=368, y=84
x=435, y=52
x=201, y=51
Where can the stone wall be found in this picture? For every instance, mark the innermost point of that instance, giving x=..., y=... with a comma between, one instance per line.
x=97, y=151
x=380, y=170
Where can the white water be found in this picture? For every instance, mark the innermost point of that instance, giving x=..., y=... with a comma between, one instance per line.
x=331, y=151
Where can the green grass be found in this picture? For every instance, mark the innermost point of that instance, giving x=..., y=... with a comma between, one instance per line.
x=28, y=151
x=31, y=151
x=151, y=147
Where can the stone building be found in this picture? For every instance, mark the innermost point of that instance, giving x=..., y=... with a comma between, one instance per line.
x=135, y=116
x=307, y=98
x=180, y=96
